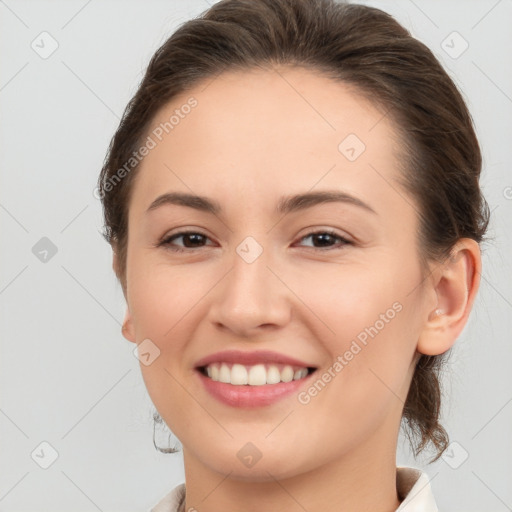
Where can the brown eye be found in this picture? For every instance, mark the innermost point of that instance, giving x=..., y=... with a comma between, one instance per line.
x=191, y=240
x=325, y=239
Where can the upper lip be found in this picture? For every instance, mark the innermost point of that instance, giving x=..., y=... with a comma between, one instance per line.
x=250, y=358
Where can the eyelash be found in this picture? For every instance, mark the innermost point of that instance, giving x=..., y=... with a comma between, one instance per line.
x=167, y=241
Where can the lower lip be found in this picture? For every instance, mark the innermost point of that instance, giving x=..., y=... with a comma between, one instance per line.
x=251, y=396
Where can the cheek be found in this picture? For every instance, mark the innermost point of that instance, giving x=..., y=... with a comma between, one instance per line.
x=347, y=299
x=161, y=297
x=162, y=303
x=366, y=384
x=373, y=332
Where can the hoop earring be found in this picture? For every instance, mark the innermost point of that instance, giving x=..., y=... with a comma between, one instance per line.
x=158, y=419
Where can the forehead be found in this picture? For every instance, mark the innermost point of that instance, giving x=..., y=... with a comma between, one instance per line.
x=281, y=130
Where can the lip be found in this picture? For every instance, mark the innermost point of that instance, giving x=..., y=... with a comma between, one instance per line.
x=251, y=358
x=251, y=396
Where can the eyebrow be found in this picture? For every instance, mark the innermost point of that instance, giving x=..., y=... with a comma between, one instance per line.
x=285, y=205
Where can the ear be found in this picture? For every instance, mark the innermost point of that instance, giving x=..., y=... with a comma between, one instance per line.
x=127, y=328
x=115, y=267
x=456, y=283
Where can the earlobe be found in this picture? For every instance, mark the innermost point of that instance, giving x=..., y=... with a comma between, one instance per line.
x=127, y=328
x=457, y=282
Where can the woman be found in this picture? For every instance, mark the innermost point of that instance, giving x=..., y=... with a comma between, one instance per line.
x=293, y=204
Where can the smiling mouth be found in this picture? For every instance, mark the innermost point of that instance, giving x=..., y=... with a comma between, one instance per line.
x=254, y=375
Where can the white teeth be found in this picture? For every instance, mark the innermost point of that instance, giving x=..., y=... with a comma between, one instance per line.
x=225, y=374
x=273, y=375
x=257, y=375
x=287, y=374
x=239, y=375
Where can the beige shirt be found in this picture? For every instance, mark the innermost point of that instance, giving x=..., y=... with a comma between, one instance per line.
x=412, y=485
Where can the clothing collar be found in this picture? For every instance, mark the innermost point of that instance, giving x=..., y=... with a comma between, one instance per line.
x=412, y=485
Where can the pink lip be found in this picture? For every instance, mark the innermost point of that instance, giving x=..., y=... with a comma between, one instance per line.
x=250, y=396
x=250, y=358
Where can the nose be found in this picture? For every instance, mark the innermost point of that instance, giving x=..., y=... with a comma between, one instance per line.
x=252, y=296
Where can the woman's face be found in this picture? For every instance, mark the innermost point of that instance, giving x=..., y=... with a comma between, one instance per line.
x=255, y=277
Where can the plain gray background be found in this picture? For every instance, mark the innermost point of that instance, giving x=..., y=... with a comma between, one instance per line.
x=69, y=378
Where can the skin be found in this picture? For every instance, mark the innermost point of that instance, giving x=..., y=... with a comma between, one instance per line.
x=254, y=137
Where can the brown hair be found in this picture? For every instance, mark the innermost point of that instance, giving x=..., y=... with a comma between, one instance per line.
x=355, y=44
